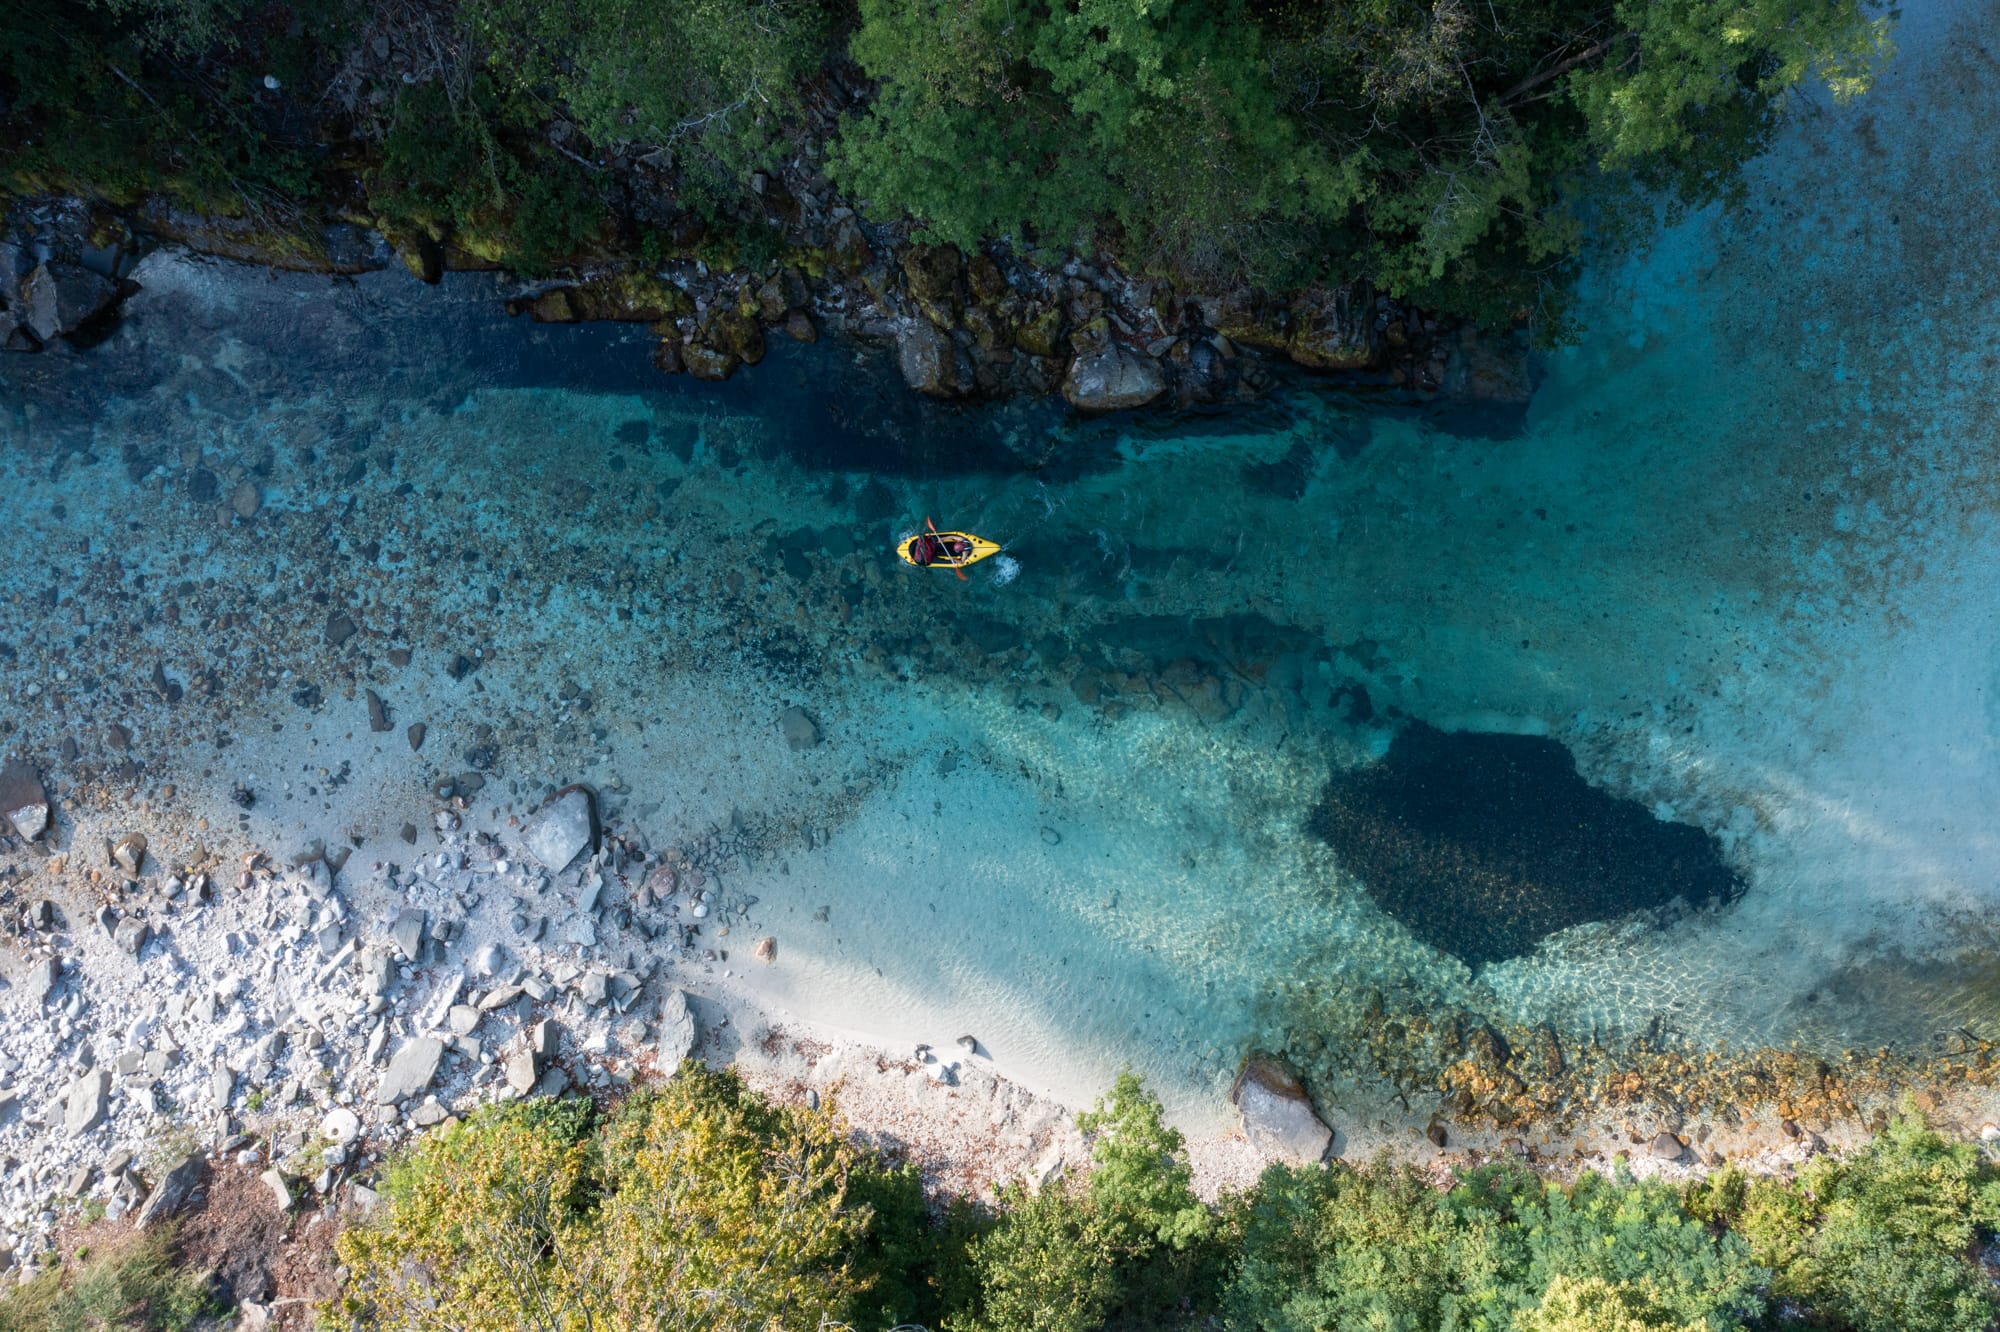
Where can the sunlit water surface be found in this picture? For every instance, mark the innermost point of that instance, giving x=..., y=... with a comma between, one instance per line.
x=1741, y=561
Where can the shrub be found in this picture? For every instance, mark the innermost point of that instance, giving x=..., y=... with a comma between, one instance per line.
x=1134, y=1243
x=134, y=1285
x=699, y=1206
x=1380, y=1248
x=1882, y=1239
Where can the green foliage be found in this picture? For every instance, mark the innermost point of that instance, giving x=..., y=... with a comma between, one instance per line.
x=704, y=1206
x=1046, y=1265
x=132, y=1286
x=1444, y=150
x=711, y=81
x=182, y=27
x=1380, y=1248
x=109, y=105
x=1592, y=1304
x=465, y=169
x=1135, y=1242
x=699, y=1206
x=1880, y=1239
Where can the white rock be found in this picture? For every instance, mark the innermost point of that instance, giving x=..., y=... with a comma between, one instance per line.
x=677, y=1031
x=411, y=1070
x=1277, y=1114
x=341, y=1125
x=562, y=830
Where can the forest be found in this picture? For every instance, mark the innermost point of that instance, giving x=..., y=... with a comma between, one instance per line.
x=1458, y=155
x=699, y=1204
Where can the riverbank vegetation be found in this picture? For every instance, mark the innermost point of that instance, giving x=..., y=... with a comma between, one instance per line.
x=698, y=1204
x=703, y=1205
x=1448, y=152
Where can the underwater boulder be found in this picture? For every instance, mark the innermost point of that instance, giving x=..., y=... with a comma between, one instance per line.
x=1482, y=845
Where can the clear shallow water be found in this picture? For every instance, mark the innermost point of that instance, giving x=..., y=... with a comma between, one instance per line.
x=1740, y=561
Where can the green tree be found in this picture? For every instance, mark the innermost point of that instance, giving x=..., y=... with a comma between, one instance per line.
x=707, y=83
x=1380, y=1248
x=699, y=1206
x=1133, y=1242
x=1881, y=1239
x=1442, y=149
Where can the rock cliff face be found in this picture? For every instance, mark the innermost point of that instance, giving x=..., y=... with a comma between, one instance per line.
x=988, y=324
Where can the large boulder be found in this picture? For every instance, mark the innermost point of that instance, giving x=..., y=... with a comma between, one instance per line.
x=931, y=361
x=60, y=298
x=677, y=1031
x=932, y=273
x=1333, y=330
x=628, y=297
x=24, y=802
x=411, y=1071
x=1112, y=378
x=88, y=1102
x=1278, y=1116
x=564, y=829
x=173, y=1191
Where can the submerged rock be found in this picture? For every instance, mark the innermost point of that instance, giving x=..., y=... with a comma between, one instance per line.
x=1482, y=845
x=24, y=802
x=1278, y=1116
x=799, y=728
x=566, y=826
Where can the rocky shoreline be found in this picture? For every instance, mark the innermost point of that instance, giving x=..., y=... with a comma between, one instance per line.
x=170, y=1019
x=989, y=325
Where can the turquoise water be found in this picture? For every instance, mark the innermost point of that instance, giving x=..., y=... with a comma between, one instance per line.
x=1739, y=562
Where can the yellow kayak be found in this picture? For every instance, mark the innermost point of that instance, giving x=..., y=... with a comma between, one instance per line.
x=945, y=550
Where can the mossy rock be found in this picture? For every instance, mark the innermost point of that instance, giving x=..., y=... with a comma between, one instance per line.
x=634, y=298
x=988, y=283
x=849, y=250
x=1091, y=336
x=1040, y=333
x=734, y=333
x=710, y=363
x=1322, y=329
x=934, y=275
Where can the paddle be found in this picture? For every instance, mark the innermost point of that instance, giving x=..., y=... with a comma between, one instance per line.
x=956, y=566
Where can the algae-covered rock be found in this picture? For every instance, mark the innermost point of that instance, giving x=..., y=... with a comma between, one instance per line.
x=934, y=275
x=706, y=362
x=849, y=250
x=1041, y=331
x=988, y=283
x=735, y=332
x=1333, y=330
x=637, y=298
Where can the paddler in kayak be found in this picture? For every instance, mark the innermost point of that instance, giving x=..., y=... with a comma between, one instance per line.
x=932, y=549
